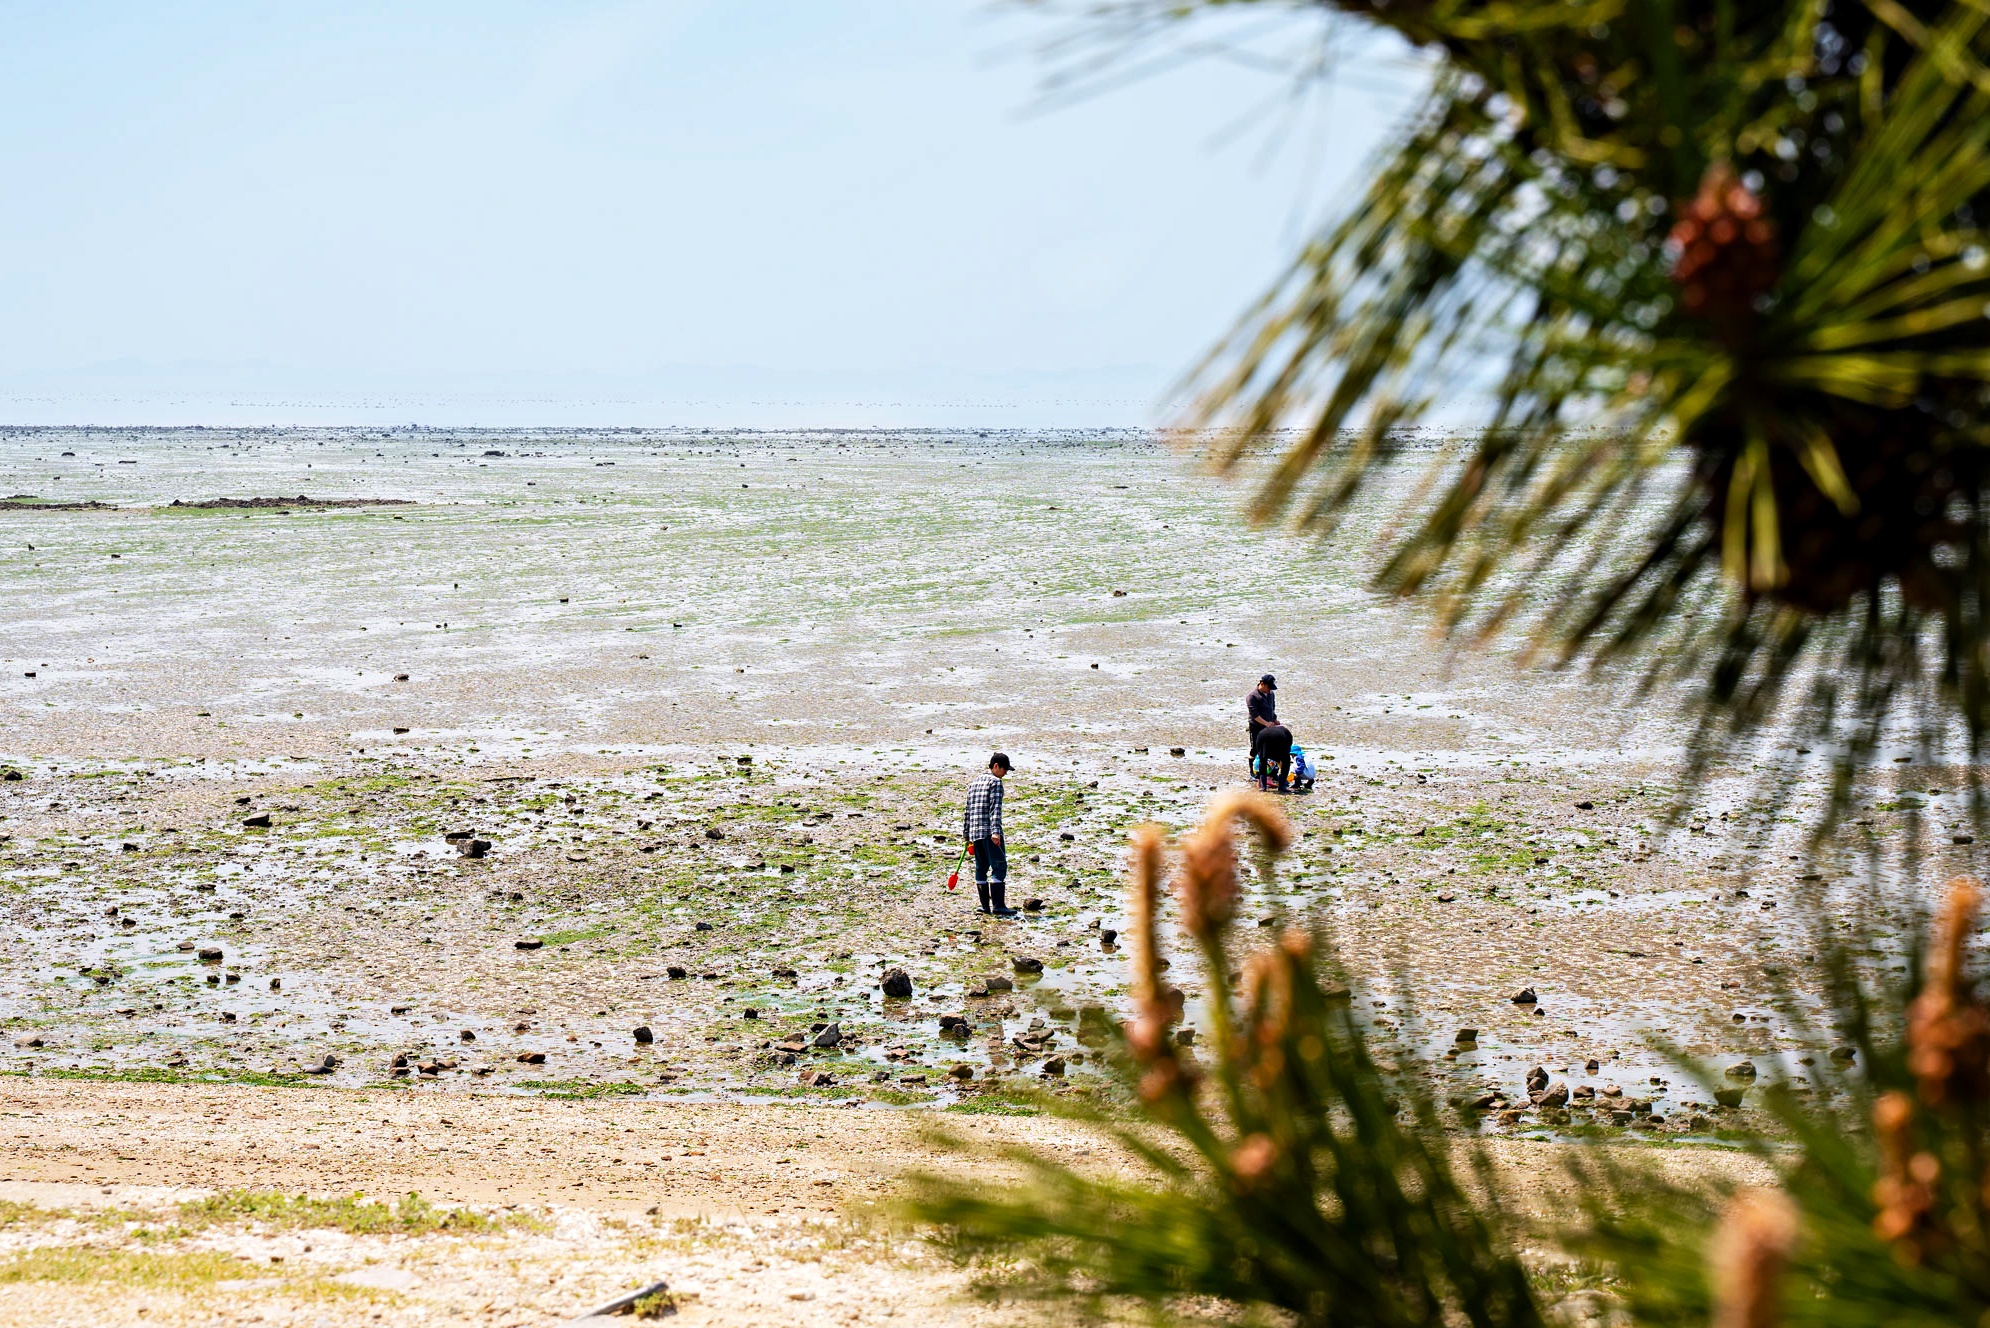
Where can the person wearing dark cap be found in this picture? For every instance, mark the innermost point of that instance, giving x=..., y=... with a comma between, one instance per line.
x=1261, y=711
x=981, y=826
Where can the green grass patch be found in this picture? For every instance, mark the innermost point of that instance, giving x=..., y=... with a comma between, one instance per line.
x=90, y=1266
x=152, y=1074
x=584, y=1088
x=412, y=1215
x=569, y=937
x=992, y=1106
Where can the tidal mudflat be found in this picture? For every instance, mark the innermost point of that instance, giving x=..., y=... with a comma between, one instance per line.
x=584, y=734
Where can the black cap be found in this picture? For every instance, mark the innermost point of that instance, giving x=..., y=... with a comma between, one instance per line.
x=1269, y=681
x=1001, y=759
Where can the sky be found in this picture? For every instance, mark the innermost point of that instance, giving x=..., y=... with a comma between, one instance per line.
x=754, y=213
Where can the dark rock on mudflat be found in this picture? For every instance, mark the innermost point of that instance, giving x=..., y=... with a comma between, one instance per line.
x=1525, y=996
x=1025, y=964
x=531, y=1058
x=1032, y=905
x=260, y=821
x=473, y=848
x=644, y=1036
x=1054, y=1066
x=210, y=954
x=829, y=1036
x=897, y=984
x=677, y=972
x=326, y=1064
x=532, y=944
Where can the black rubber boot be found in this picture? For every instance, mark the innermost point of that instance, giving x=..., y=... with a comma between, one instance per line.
x=1000, y=891
x=981, y=888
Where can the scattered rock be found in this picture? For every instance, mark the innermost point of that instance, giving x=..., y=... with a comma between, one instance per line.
x=210, y=954
x=1178, y=751
x=997, y=982
x=466, y=1036
x=1467, y=1037
x=532, y=944
x=1032, y=905
x=29, y=1040
x=1526, y=997
x=714, y=832
x=276, y=984
x=1025, y=964
x=1185, y=1037
x=1742, y=1070
x=1107, y=935
x=749, y=1013
x=954, y=1025
x=1537, y=1080
x=829, y=1036
x=531, y=1058
x=1556, y=1096
x=1585, y=806
x=325, y=1065
x=897, y=984
x=260, y=821
x=1054, y=1066
x=1844, y=1055
x=677, y=973
x=473, y=848
x=10, y=775
x=962, y=1072
x=1730, y=1097
x=644, y=1036
x=701, y=926
x=785, y=973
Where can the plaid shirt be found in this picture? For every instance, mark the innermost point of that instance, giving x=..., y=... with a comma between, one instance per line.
x=983, y=818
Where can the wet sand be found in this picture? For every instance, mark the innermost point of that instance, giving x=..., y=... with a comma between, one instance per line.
x=711, y=701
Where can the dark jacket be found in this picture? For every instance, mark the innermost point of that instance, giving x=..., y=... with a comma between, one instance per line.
x=1263, y=710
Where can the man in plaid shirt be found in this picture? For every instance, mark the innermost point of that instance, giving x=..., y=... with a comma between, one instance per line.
x=981, y=826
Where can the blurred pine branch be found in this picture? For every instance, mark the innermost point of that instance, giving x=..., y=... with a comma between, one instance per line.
x=1294, y=1173
x=1718, y=265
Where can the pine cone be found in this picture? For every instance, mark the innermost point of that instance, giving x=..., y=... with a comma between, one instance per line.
x=1725, y=251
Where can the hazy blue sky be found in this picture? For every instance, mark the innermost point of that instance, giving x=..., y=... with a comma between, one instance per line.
x=734, y=211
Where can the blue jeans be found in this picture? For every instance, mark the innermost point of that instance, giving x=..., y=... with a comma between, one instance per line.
x=990, y=857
